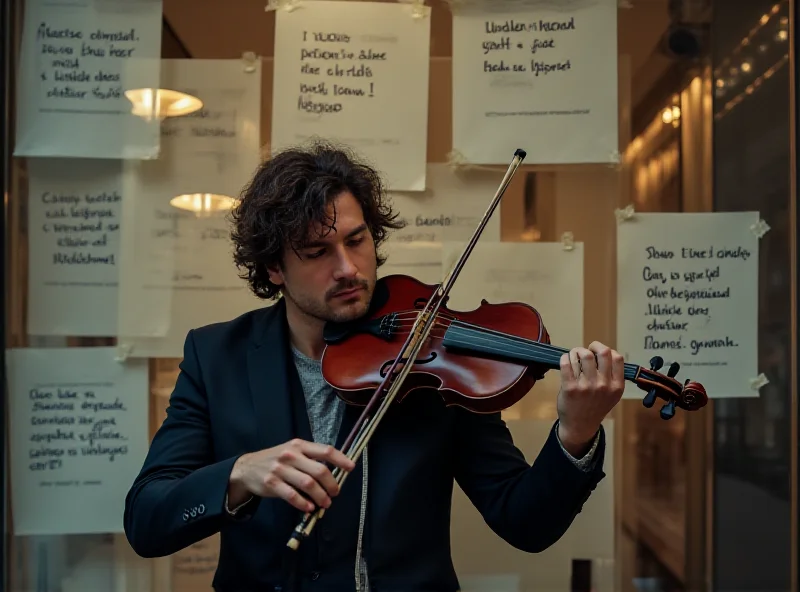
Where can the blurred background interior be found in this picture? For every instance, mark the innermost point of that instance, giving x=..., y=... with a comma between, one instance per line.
x=706, y=501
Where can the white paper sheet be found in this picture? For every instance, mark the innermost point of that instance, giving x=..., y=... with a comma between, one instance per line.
x=543, y=79
x=78, y=437
x=74, y=214
x=422, y=261
x=541, y=275
x=228, y=125
x=688, y=292
x=480, y=556
x=357, y=73
x=177, y=269
x=450, y=208
x=77, y=60
x=490, y=583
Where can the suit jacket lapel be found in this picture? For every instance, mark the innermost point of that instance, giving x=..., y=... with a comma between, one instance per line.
x=273, y=382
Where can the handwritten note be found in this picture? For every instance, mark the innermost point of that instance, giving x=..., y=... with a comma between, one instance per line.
x=193, y=568
x=537, y=73
x=450, y=208
x=422, y=261
x=356, y=73
x=176, y=267
x=78, y=436
x=228, y=124
x=74, y=208
x=542, y=275
x=688, y=292
x=77, y=60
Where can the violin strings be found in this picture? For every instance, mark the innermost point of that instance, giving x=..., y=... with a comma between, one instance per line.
x=501, y=342
x=504, y=345
x=482, y=335
x=406, y=315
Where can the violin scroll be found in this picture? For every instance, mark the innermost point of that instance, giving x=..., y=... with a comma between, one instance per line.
x=689, y=396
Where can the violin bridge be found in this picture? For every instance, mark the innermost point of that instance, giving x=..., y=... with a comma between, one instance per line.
x=423, y=318
x=387, y=326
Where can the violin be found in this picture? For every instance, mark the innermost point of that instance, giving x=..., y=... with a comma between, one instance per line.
x=484, y=360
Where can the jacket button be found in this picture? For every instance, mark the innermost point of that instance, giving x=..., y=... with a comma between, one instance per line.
x=314, y=575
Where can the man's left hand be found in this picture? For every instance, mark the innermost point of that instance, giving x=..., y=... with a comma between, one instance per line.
x=592, y=383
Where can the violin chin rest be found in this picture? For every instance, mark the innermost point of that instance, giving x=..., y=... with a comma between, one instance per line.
x=336, y=332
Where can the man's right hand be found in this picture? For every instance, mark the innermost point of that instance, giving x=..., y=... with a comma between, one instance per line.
x=286, y=470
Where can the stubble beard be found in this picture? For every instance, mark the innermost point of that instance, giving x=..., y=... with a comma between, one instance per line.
x=321, y=310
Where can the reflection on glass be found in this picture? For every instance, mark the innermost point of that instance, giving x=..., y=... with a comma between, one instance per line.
x=203, y=203
x=160, y=103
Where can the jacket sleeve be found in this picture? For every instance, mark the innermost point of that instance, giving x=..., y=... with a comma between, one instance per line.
x=529, y=506
x=179, y=496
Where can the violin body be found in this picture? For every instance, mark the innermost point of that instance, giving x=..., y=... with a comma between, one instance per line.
x=484, y=360
x=357, y=354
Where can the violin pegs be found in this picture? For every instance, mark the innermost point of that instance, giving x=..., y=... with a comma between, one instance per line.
x=656, y=362
x=650, y=398
x=668, y=410
x=673, y=369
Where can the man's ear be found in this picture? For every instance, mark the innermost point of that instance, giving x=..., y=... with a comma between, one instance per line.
x=275, y=275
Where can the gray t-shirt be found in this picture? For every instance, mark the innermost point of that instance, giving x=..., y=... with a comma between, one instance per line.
x=325, y=408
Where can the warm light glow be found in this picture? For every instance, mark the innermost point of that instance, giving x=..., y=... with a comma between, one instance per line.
x=160, y=103
x=745, y=43
x=752, y=87
x=746, y=66
x=531, y=234
x=203, y=203
x=671, y=115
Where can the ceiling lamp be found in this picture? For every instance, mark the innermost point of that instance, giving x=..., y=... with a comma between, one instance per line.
x=160, y=103
x=203, y=204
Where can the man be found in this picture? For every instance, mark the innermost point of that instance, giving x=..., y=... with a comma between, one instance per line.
x=252, y=428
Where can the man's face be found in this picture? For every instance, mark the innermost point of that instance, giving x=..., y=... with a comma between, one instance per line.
x=333, y=277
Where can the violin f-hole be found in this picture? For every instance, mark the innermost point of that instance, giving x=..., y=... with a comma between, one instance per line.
x=388, y=363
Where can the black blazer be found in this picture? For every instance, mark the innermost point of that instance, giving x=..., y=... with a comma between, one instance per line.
x=238, y=392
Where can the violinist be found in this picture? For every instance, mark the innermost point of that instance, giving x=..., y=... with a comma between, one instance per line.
x=253, y=429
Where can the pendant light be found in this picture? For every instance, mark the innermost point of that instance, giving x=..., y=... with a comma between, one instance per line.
x=160, y=103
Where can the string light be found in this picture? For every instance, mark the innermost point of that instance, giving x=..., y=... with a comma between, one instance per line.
x=746, y=67
x=745, y=43
x=752, y=87
x=670, y=115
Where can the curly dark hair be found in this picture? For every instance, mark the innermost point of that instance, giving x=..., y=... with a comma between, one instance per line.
x=291, y=191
